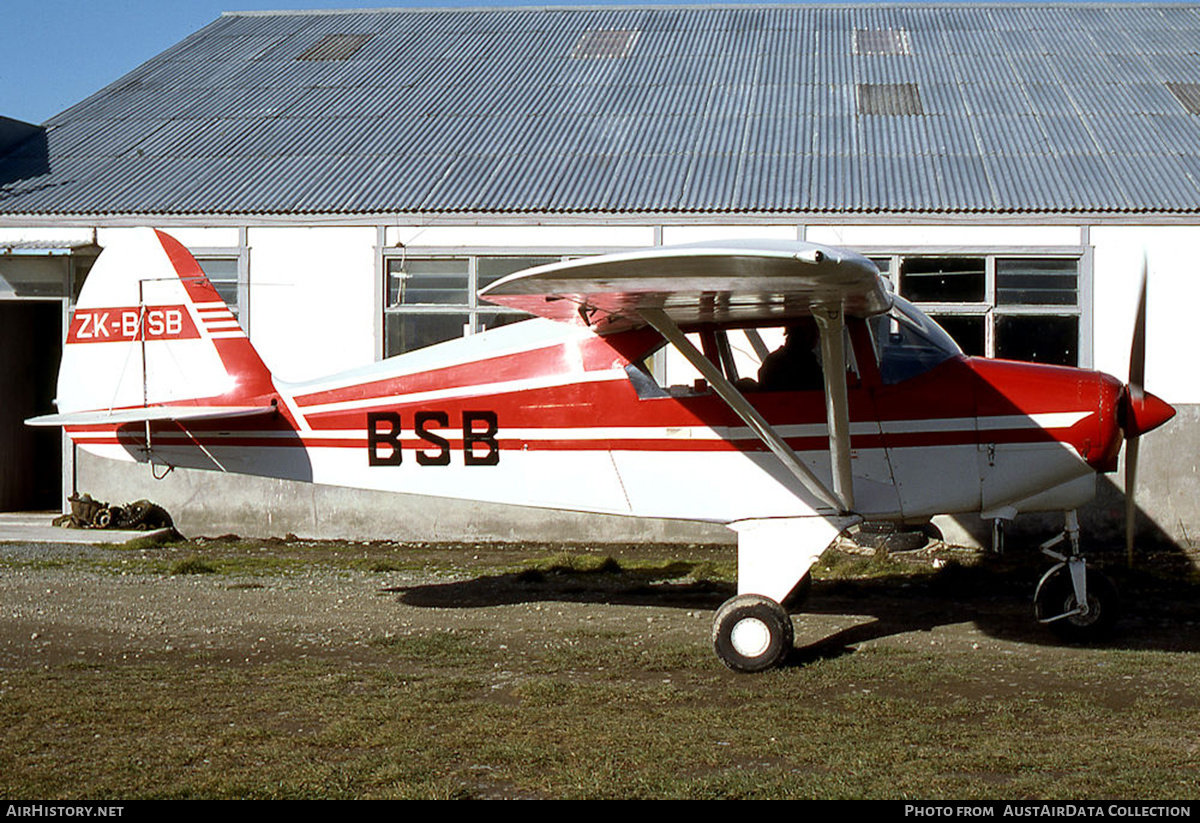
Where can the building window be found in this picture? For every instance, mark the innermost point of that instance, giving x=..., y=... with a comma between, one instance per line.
x=222, y=272
x=433, y=299
x=1008, y=306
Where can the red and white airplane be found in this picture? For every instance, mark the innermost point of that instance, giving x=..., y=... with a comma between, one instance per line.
x=562, y=411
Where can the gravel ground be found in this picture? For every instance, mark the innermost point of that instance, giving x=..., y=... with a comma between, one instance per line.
x=64, y=603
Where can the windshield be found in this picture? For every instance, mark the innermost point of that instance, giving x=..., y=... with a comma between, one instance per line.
x=908, y=342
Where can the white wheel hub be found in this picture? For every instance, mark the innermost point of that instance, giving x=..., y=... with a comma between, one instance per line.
x=750, y=637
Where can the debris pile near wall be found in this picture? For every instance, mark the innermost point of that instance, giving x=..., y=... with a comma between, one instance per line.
x=88, y=513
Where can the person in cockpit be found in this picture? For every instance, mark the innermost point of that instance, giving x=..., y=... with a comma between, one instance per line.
x=794, y=365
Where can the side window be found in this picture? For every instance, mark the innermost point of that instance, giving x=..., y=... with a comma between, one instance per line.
x=907, y=345
x=763, y=359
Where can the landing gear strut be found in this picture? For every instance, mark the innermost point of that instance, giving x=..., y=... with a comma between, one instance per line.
x=1079, y=604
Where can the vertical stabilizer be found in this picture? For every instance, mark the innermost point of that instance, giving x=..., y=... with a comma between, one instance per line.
x=149, y=329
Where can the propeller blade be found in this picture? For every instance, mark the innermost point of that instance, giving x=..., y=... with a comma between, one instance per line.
x=1136, y=392
x=1131, y=452
x=1137, y=351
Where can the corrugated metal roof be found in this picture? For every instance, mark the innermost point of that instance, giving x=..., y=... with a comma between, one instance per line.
x=997, y=109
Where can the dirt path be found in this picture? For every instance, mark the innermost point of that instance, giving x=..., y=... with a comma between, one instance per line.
x=57, y=610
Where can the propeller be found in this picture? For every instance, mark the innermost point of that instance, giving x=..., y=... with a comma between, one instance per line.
x=1140, y=412
x=1135, y=395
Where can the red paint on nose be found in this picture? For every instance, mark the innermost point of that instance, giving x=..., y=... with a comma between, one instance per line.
x=1144, y=414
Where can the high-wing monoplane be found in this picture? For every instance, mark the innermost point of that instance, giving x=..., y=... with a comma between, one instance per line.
x=891, y=423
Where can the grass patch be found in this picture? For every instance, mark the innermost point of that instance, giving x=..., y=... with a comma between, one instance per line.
x=194, y=565
x=884, y=724
x=441, y=648
x=836, y=564
x=568, y=563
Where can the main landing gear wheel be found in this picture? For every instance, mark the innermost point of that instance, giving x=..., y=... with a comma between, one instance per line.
x=1056, y=596
x=752, y=633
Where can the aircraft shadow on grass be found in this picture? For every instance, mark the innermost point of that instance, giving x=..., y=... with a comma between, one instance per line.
x=995, y=595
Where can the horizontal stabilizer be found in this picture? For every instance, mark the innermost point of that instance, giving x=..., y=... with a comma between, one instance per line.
x=148, y=414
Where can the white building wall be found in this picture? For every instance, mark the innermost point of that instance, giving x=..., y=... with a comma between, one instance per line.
x=909, y=236
x=1173, y=295
x=509, y=237
x=313, y=299
x=315, y=308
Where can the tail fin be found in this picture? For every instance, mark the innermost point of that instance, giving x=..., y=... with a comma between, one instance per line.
x=151, y=339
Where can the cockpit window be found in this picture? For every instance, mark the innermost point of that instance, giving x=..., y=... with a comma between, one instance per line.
x=908, y=343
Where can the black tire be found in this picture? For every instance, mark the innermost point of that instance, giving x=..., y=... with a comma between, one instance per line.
x=752, y=633
x=1056, y=595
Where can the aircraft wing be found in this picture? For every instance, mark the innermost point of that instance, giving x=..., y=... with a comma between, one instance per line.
x=732, y=282
x=148, y=414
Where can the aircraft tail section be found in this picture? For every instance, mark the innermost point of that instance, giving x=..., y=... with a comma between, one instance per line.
x=151, y=339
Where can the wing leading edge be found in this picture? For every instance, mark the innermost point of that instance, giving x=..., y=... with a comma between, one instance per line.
x=729, y=283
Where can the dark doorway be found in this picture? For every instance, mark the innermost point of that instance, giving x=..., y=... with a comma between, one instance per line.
x=30, y=459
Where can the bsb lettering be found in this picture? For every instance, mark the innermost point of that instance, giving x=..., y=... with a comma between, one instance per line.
x=385, y=432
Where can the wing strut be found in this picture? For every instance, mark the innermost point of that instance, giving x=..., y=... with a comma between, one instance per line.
x=749, y=415
x=832, y=324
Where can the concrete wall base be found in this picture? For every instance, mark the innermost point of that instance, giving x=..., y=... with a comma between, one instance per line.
x=210, y=504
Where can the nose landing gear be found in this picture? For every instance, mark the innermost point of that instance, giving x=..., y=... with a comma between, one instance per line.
x=1078, y=603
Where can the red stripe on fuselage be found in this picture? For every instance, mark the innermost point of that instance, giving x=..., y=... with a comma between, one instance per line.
x=914, y=413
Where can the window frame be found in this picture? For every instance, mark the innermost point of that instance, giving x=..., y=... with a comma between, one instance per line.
x=473, y=308
x=988, y=308
x=240, y=254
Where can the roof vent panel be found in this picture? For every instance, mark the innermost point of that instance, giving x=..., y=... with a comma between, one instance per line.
x=336, y=47
x=889, y=99
x=1188, y=95
x=881, y=41
x=605, y=43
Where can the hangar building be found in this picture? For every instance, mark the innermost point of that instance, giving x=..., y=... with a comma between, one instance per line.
x=349, y=179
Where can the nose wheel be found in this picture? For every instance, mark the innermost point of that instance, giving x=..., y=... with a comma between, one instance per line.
x=752, y=633
x=1072, y=618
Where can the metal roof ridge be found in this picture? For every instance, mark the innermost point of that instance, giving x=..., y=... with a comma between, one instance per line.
x=913, y=4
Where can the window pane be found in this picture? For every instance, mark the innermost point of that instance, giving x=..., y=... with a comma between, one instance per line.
x=222, y=272
x=967, y=331
x=405, y=332
x=491, y=269
x=495, y=319
x=1030, y=281
x=427, y=282
x=1040, y=339
x=906, y=345
x=943, y=279
x=884, y=264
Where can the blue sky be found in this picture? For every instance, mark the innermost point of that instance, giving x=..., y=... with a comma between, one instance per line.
x=57, y=52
